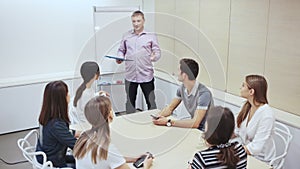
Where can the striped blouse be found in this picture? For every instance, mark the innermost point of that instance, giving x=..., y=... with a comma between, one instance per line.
x=208, y=158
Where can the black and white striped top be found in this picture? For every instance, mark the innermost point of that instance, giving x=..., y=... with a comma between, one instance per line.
x=208, y=158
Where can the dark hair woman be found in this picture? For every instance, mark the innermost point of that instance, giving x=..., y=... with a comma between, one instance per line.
x=55, y=136
x=89, y=72
x=219, y=129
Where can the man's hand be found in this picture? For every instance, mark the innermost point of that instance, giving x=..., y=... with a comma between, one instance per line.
x=152, y=57
x=165, y=112
x=119, y=61
x=162, y=121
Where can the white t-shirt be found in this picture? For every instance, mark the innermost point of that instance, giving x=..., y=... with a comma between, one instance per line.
x=87, y=94
x=114, y=160
x=258, y=136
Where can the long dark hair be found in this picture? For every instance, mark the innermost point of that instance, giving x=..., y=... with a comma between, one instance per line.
x=97, y=112
x=260, y=86
x=88, y=71
x=55, y=103
x=220, y=126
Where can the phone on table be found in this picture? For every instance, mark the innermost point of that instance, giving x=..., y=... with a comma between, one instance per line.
x=140, y=161
x=154, y=117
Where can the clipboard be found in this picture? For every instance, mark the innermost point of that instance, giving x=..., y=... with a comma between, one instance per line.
x=117, y=58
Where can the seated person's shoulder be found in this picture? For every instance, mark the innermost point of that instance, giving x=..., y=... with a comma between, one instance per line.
x=238, y=147
x=203, y=89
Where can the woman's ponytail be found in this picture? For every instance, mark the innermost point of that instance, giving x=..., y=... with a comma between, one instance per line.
x=79, y=92
x=227, y=156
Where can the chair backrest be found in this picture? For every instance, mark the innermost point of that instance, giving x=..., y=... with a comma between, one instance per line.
x=282, y=139
x=28, y=146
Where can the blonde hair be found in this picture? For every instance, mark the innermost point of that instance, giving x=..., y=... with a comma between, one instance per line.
x=97, y=139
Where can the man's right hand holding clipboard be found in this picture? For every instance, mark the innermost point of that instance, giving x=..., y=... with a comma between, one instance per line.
x=119, y=61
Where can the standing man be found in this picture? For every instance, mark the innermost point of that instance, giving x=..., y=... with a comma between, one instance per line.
x=196, y=97
x=141, y=47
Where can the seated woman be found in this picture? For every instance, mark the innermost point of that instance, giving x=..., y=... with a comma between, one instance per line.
x=55, y=136
x=93, y=148
x=90, y=72
x=221, y=153
x=255, y=122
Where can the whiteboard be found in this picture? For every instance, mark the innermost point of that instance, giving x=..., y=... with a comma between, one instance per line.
x=40, y=41
x=110, y=25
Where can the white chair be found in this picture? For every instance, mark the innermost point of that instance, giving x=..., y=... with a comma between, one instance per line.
x=28, y=146
x=282, y=138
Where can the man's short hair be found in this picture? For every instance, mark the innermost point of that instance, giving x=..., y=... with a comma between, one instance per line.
x=190, y=67
x=136, y=13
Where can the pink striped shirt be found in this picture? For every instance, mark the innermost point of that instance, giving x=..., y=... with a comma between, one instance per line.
x=139, y=48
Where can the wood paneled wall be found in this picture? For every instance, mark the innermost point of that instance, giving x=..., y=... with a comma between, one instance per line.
x=233, y=38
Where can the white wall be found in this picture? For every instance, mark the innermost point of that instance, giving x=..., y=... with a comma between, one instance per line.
x=41, y=41
x=21, y=105
x=42, y=38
